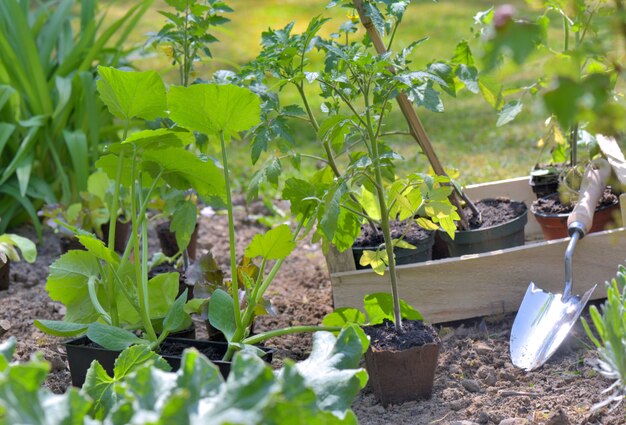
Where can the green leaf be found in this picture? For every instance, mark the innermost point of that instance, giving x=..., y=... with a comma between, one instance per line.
x=468, y=76
x=99, y=249
x=184, y=223
x=222, y=313
x=214, y=109
x=377, y=260
x=7, y=348
x=463, y=54
x=377, y=18
x=296, y=191
x=61, y=328
x=343, y=316
x=132, y=94
x=370, y=204
x=176, y=317
x=270, y=172
x=379, y=306
x=427, y=224
x=112, y=338
x=26, y=246
x=276, y=244
x=400, y=243
x=509, y=112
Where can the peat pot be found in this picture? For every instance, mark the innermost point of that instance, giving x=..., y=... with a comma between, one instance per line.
x=5, y=275
x=501, y=236
x=554, y=226
x=423, y=252
x=400, y=375
x=167, y=240
x=81, y=352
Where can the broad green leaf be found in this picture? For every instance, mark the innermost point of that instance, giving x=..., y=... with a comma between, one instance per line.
x=222, y=313
x=343, y=316
x=183, y=223
x=98, y=184
x=369, y=202
x=156, y=139
x=25, y=245
x=332, y=369
x=112, y=338
x=273, y=245
x=198, y=376
x=348, y=228
x=176, y=317
x=67, y=283
x=61, y=328
x=132, y=94
x=214, y=109
x=509, y=112
x=377, y=260
x=379, y=306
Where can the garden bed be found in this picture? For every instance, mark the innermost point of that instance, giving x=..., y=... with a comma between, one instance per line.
x=475, y=380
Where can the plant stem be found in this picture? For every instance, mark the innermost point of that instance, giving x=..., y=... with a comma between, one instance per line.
x=384, y=217
x=231, y=235
x=287, y=331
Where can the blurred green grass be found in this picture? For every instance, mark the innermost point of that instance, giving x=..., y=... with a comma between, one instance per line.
x=465, y=135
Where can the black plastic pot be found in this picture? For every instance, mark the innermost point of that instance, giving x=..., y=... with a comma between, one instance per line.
x=423, y=252
x=167, y=240
x=5, y=275
x=502, y=236
x=81, y=352
x=122, y=234
x=544, y=185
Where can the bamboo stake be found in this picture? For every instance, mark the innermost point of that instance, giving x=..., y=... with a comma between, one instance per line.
x=415, y=125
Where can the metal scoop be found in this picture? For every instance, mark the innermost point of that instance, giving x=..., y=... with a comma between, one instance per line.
x=544, y=319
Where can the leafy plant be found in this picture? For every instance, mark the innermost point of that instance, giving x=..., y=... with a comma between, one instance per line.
x=52, y=125
x=318, y=390
x=358, y=185
x=609, y=337
x=186, y=36
x=11, y=243
x=578, y=80
x=107, y=295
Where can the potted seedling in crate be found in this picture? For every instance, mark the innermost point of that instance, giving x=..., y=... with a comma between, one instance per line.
x=108, y=296
x=576, y=84
x=10, y=247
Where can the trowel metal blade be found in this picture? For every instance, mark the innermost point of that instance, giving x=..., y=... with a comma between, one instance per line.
x=542, y=323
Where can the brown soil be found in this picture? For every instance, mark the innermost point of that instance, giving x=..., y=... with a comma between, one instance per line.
x=414, y=234
x=552, y=204
x=385, y=337
x=494, y=212
x=474, y=382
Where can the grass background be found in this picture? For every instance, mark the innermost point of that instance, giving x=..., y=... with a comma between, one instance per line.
x=465, y=135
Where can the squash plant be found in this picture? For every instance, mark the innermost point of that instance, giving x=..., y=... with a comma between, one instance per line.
x=358, y=184
x=107, y=295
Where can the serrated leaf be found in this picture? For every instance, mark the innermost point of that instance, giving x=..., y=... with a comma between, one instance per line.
x=132, y=94
x=427, y=224
x=377, y=260
x=401, y=243
x=214, y=109
x=469, y=77
x=274, y=245
x=377, y=18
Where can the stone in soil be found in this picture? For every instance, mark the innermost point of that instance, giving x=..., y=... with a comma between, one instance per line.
x=493, y=212
x=413, y=234
x=385, y=337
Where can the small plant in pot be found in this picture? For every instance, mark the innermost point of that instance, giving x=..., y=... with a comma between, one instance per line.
x=90, y=214
x=10, y=247
x=178, y=233
x=108, y=296
x=576, y=87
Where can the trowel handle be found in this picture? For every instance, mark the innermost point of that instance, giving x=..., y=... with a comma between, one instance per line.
x=591, y=190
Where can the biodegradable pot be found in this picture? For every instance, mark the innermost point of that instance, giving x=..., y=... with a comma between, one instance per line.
x=5, y=275
x=423, y=252
x=502, y=236
x=398, y=376
x=167, y=240
x=122, y=234
x=554, y=226
x=81, y=352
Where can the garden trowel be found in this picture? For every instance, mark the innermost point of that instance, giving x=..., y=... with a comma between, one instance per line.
x=544, y=319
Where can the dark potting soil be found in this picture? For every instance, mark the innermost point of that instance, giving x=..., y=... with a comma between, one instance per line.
x=552, y=204
x=175, y=349
x=413, y=235
x=167, y=239
x=494, y=211
x=385, y=337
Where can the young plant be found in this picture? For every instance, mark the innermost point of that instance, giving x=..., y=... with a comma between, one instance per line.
x=186, y=35
x=358, y=185
x=107, y=295
x=221, y=112
x=142, y=390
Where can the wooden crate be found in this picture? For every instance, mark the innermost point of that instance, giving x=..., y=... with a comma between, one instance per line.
x=490, y=283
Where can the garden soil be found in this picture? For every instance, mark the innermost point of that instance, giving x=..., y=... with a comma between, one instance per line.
x=475, y=381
